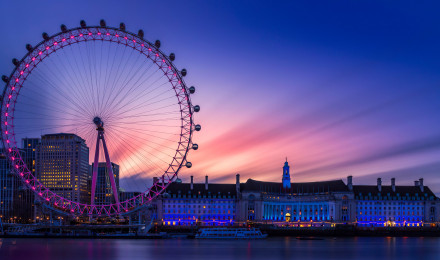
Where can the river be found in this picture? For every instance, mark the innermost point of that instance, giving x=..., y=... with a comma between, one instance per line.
x=269, y=249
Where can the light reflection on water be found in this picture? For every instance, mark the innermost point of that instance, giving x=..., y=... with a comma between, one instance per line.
x=272, y=248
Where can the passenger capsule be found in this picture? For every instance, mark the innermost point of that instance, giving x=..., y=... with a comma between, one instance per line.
x=45, y=36
x=122, y=26
x=183, y=72
x=83, y=23
x=102, y=23
x=5, y=78
x=195, y=146
x=141, y=33
x=198, y=128
x=63, y=28
x=188, y=164
x=29, y=47
x=15, y=62
x=196, y=108
x=157, y=44
x=172, y=56
x=192, y=90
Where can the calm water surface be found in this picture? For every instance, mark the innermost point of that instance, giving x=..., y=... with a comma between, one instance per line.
x=272, y=248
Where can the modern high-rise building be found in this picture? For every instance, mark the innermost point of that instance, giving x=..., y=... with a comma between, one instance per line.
x=6, y=190
x=16, y=200
x=104, y=194
x=62, y=163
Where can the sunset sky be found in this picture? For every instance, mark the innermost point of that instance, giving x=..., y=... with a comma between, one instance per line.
x=338, y=87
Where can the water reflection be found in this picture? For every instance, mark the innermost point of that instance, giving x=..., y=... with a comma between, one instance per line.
x=272, y=248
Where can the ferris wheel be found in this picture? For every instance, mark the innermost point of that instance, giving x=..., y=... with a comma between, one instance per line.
x=123, y=100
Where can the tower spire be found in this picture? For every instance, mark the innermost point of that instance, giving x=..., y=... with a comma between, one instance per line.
x=286, y=175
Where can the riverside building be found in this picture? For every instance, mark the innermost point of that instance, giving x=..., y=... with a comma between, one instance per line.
x=62, y=165
x=191, y=204
x=104, y=193
x=16, y=200
x=287, y=203
x=393, y=205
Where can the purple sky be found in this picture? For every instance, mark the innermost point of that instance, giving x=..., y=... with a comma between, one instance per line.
x=340, y=88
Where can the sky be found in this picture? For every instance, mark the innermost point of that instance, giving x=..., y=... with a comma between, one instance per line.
x=338, y=87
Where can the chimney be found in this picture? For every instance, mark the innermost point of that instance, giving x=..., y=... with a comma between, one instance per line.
x=350, y=183
x=421, y=184
x=192, y=182
x=206, y=182
x=237, y=183
x=379, y=184
x=393, y=184
x=416, y=183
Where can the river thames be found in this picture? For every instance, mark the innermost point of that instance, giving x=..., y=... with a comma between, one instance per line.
x=272, y=248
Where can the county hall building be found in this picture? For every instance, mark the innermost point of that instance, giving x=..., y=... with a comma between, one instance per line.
x=307, y=204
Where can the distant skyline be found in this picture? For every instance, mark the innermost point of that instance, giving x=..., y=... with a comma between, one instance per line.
x=340, y=88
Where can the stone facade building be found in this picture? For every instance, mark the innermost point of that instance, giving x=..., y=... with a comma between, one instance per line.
x=316, y=204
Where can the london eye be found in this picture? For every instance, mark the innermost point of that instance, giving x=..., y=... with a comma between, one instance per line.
x=121, y=94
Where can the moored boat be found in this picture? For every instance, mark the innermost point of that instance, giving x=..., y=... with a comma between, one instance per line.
x=230, y=233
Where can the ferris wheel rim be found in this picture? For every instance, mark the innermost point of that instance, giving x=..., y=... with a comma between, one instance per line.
x=50, y=45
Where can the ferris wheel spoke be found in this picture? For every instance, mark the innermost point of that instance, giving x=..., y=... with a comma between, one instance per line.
x=50, y=110
x=147, y=102
x=148, y=140
x=139, y=85
x=55, y=96
x=143, y=132
x=60, y=91
x=120, y=115
x=142, y=117
x=81, y=84
x=109, y=93
x=135, y=86
x=116, y=76
x=136, y=98
x=72, y=85
x=140, y=156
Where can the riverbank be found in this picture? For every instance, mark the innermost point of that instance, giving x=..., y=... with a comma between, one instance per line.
x=189, y=234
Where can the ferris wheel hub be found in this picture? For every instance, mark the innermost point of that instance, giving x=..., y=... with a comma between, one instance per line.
x=98, y=122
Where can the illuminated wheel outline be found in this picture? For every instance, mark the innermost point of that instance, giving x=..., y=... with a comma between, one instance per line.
x=67, y=37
